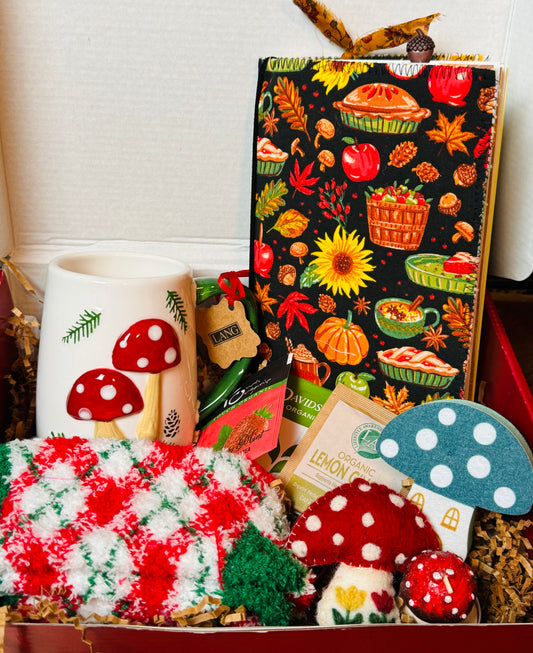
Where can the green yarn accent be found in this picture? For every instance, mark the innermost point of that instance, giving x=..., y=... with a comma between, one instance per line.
x=5, y=471
x=258, y=574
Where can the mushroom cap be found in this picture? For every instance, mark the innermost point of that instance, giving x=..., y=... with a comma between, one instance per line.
x=298, y=249
x=464, y=451
x=362, y=525
x=149, y=345
x=438, y=586
x=327, y=158
x=103, y=395
x=466, y=230
x=325, y=127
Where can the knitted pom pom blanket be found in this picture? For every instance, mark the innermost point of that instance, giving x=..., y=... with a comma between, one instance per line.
x=140, y=529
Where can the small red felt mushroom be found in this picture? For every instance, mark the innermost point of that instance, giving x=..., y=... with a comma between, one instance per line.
x=152, y=346
x=371, y=531
x=438, y=587
x=104, y=395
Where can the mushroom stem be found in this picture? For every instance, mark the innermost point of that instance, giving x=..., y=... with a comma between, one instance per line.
x=108, y=430
x=358, y=595
x=148, y=426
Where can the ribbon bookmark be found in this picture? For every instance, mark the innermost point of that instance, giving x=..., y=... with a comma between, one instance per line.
x=387, y=37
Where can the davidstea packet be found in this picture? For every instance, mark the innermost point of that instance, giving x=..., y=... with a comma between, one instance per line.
x=250, y=417
x=303, y=402
x=338, y=447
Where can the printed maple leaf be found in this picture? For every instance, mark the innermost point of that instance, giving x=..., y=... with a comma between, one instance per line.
x=459, y=318
x=265, y=301
x=450, y=133
x=295, y=307
x=301, y=180
x=394, y=401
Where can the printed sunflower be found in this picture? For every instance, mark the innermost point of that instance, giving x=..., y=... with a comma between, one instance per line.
x=342, y=262
x=337, y=74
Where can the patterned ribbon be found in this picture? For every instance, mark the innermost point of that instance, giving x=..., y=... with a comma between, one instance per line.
x=387, y=37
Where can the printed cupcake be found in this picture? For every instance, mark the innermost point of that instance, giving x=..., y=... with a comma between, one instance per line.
x=382, y=108
x=270, y=159
x=397, y=216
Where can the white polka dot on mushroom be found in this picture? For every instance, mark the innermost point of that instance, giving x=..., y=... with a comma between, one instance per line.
x=338, y=503
x=426, y=439
x=389, y=448
x=108, y=392
x=504, y=497
x=126, y=409
x=441, y=476
x=447, y=416
x=170, y=355
x=299, y=548
x=400, y=559
x=396, y=500
x=368, y=520
x=80, y=388
x=484, y=433
x=142, y=363
x=85, y=413
x=364, y=487
x=447, y=599
x=338, y=539
x=478, y=466
x=370, y=552
x=420, y=522
x=313, y=523
x=155, y=332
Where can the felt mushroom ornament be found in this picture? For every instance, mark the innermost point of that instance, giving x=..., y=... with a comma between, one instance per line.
x=151, y=346
x=370, y=532
x=438, y=587
x=460, y=455
x=104, y=395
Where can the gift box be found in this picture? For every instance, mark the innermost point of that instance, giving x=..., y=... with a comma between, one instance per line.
x=132, y=145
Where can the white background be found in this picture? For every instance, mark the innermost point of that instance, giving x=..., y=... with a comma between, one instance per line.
x=132, y=119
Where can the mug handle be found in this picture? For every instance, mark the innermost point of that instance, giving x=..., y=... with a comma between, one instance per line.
x=205, y=289
x=437, y=314
x=327, y=372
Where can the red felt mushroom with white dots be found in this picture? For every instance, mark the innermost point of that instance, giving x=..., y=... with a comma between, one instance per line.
x=104, y=395
x=149, y=345
x=371, y=531
x=438, y=587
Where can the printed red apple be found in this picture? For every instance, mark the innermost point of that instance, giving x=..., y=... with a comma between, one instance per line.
x=360, y=161
x=263, y=256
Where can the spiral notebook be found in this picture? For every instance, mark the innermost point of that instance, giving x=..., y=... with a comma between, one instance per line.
x=372, y=201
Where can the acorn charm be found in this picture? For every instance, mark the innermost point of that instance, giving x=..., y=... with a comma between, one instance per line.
x=420, y=48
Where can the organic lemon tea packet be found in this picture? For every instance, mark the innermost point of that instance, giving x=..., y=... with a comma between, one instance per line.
x=338, y=447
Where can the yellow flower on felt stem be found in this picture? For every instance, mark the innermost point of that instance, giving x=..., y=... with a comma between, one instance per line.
x=350, y=598
x=342, y=263
x=338, y=73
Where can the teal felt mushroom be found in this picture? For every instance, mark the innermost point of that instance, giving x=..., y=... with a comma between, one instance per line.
x=461, y=455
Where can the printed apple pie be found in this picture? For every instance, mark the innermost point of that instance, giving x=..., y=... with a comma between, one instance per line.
x=416, y=366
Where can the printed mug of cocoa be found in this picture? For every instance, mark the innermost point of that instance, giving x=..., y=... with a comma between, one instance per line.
x=400, y=318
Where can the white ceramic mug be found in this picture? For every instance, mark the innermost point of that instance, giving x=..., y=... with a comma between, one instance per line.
x=117, y=352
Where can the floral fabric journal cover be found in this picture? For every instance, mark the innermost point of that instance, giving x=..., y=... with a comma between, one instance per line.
x=373, y=188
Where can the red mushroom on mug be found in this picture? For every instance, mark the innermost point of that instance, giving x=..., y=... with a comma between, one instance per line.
x=370, y=532
x=104, y=395
x=149, y=345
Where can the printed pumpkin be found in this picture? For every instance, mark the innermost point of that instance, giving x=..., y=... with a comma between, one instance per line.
x=341, y=341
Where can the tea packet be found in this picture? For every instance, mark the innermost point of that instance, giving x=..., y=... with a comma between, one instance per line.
x=248, y=422
x=303, y=402
x=338, y=447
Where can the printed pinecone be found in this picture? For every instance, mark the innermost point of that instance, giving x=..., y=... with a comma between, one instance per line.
x=402, y=154
x=426, y=172
x=326, y=304
x=273, y=330
x=420, y=48
x=465, y=175
x=248, y=429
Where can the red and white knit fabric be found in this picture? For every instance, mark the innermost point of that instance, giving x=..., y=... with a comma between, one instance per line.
x=130, y=528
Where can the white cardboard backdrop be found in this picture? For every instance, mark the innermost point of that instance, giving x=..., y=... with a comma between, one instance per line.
x=129, y=122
